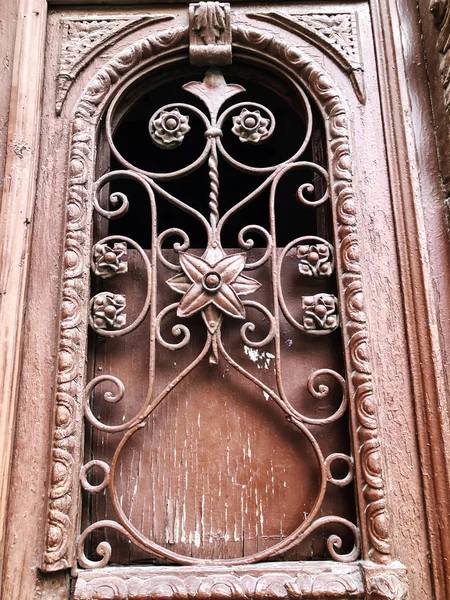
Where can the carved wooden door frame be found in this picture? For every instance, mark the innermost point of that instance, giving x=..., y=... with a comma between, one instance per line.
x=31, y=88
x=70, y=397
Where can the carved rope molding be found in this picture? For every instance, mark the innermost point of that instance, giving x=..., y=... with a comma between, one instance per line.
x=84, y=39
x=334, y=33
x=61, y=527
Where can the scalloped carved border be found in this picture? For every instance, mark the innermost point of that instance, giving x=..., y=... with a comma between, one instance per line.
x=274, y=582
x=61, y=527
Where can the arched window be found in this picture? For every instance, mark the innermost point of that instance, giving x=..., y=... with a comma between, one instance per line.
x=230, y=421
x=252, y=251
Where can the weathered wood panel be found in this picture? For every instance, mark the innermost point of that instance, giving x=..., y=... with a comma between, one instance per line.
x=398, y=425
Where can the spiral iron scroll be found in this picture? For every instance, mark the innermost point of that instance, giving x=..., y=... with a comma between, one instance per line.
x=215, y=286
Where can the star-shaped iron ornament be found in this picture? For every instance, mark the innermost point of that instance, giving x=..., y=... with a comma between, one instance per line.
x=207, y=287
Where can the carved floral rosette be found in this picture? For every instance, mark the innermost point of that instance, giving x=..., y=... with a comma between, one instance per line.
x=62, y=520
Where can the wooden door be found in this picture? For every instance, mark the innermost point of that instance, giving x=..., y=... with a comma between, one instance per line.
x=213, y=329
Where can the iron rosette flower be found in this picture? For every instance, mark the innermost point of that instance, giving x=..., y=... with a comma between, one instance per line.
x=316, y=260
x=320, y=312
x=168, y=128
x=212, y=288
x=251, y=126
x=107, y=311
x=108, y=261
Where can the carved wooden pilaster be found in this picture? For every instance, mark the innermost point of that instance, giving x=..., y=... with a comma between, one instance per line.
x=209, y=34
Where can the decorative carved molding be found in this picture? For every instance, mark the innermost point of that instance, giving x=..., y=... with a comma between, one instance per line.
x=281, y=582
x=336, y=34
x=270, y=581
x=63, y=491
x=83, y=39
x=382, y=584
x=64, y=474
x=387, y=587
x=209, y=34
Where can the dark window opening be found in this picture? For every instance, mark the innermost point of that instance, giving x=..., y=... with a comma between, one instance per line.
x=134, y=143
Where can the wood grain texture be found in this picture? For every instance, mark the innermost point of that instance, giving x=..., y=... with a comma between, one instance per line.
x=425, y=352
x=408, y=527
x=8, y=23
x=16, y=214
x=217, y=472
x=434, y=27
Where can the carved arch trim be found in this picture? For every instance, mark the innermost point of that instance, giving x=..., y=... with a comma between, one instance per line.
x=61, y=528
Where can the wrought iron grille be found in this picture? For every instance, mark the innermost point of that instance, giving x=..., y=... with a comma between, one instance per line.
x=215, y=284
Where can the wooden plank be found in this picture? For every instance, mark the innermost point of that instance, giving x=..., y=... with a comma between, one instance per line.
x=428, y=376
x=8, y=23
x=16, y=215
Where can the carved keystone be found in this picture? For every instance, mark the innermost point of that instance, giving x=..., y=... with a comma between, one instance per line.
x=209, y=34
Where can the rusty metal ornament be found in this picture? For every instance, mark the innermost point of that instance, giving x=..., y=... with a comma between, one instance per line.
x=168, y=128
x=107, y=311
x=320, y=313
x=214, y=285
x=109, y=261
x=251, y=127
x=316, y=259
x=219, y=284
